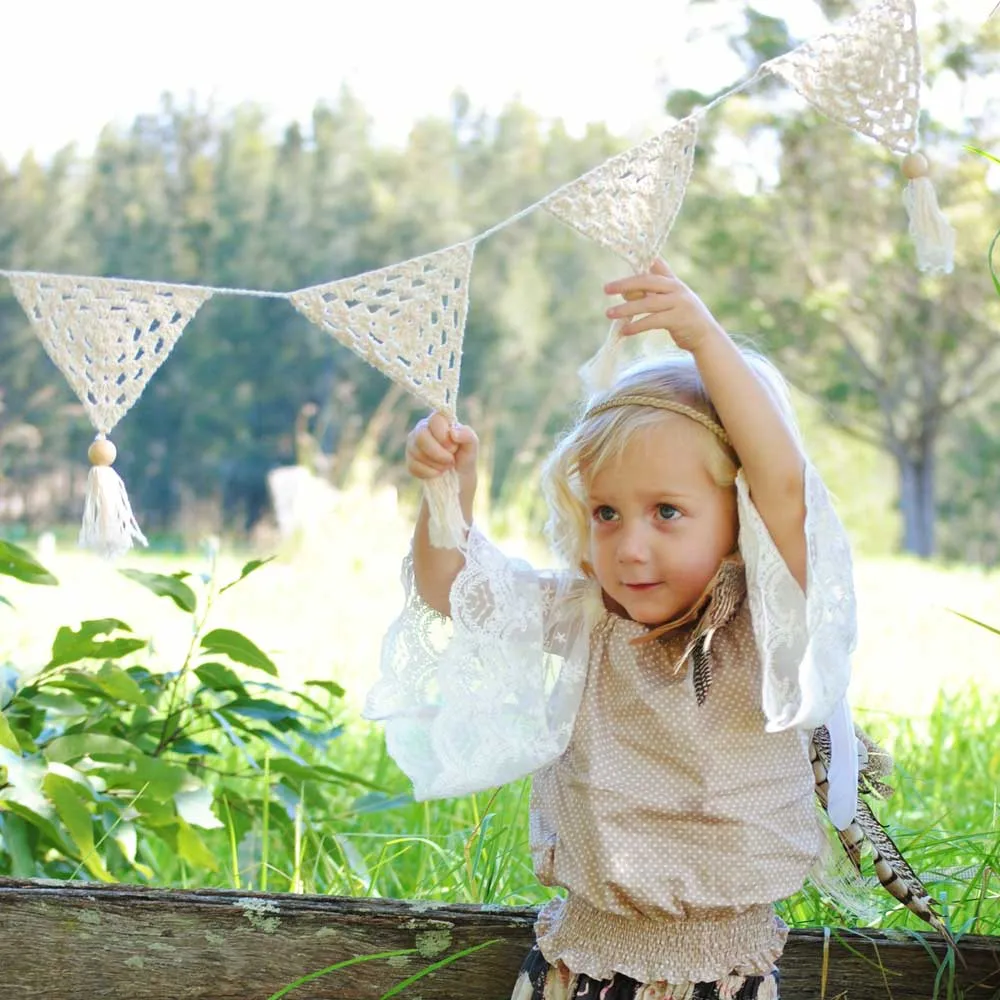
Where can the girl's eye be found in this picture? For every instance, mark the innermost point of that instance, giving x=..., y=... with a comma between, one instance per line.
x=667, y=512
x=604, y=513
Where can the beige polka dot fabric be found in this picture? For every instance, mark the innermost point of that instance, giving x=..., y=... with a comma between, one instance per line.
x=673, y=827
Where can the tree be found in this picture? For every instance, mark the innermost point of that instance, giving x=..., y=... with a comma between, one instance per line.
x=819, y=262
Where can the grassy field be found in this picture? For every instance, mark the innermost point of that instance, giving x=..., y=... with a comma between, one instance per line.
x=926, y=683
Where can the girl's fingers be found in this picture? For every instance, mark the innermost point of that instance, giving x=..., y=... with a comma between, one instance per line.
x=657, y=321
x=428, y=449
x=420, y=470
x=439, y=427
x=641, y=284
x=637, y=307
x=659, y=278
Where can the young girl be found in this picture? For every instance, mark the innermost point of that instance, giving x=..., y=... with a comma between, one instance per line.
x=666, y=689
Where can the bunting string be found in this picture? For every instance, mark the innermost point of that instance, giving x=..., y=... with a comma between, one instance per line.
x=109, y=336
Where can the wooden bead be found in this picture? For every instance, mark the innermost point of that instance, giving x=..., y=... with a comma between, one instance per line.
x=915, y=165
x=102, y=452
x=632, y=296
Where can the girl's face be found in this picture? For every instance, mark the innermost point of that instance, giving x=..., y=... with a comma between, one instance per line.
x=660, y=525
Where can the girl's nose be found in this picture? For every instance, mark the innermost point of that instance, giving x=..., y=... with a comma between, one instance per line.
x=633, y=546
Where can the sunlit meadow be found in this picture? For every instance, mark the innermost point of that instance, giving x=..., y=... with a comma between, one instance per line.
x=926, y=683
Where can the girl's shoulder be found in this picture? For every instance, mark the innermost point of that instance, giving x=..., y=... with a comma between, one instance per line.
x=574, y=595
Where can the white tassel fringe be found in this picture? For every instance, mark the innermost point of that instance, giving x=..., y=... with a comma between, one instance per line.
x=109, y=526
x=598, y=374
x=932, y=234
x=447, y=527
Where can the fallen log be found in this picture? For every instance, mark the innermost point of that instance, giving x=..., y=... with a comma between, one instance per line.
x=72, y=940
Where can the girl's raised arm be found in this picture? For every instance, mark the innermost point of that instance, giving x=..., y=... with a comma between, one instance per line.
x=768, y=449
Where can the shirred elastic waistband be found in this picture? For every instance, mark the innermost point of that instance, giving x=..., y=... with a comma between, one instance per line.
x=698, y=949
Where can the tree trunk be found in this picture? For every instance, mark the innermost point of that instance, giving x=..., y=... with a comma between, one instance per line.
x=916, y=498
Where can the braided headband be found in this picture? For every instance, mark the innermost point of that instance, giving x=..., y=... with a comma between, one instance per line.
x=638, y=399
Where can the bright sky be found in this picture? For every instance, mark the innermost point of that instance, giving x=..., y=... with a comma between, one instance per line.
x=67, y=68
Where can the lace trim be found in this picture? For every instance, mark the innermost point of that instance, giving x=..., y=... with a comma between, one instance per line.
x=490, y=696
x=690, y=950
x=805, y=641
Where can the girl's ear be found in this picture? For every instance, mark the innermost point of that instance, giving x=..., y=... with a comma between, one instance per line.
x=588, y=570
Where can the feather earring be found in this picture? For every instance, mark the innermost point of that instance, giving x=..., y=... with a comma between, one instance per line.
x=716, y=607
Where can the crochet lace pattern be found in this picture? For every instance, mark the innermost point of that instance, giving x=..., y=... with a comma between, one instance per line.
x=406, y=320
x=107, y=336
x=865, y=74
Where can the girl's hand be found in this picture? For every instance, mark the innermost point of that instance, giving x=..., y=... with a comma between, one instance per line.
x=659, y=300
x=434, y=446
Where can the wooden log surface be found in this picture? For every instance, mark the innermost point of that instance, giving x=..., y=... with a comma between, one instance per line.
x=80, y=941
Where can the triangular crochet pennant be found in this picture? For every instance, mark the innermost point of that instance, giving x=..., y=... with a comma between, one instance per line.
x=407, y=320
x=864, y=74
x=630, y=201
x=107, y=336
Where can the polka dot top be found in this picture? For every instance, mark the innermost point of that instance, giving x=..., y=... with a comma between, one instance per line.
x=673, y=827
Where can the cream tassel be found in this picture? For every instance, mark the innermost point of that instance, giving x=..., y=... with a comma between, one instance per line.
x=447, y=527
x=768, y=989
x=109, y=526
x=599, y=372
x=932, y=234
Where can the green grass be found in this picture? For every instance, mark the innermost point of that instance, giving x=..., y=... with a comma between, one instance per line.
x=943, y=816
x=926, y=684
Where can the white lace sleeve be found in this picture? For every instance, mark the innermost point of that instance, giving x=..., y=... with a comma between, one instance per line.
x=805, y=641
x=490, y=694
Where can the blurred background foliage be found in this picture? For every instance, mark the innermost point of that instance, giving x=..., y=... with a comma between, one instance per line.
x=792, y=231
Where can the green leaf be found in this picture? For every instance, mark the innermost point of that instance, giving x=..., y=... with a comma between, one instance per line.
x=49, y=831
x=982, y=153
x=320, y=740
x=434, y=966
x=330, y=686
x=219, y=677
x=19, y=840
x=238, y=648
x=346, y=964
x=989, y=257
x=71, y=646
x=234, y=737
x=72, y=810
x=192, y=748
x=160, y=815
x=22, y=565
x=976, y=621
x=193, y=849
x=118, y=684
x=248, y=568
x=67, y=749
x=296, y=772
x=321, y=710
x=153, y=777
x=375, y=802
x=7, y=737
x=283, y=748
x=194, y=806
x=165, y=586
x=265, y=710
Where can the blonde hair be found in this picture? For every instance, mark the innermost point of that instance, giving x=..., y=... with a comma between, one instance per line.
x=601, y=436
